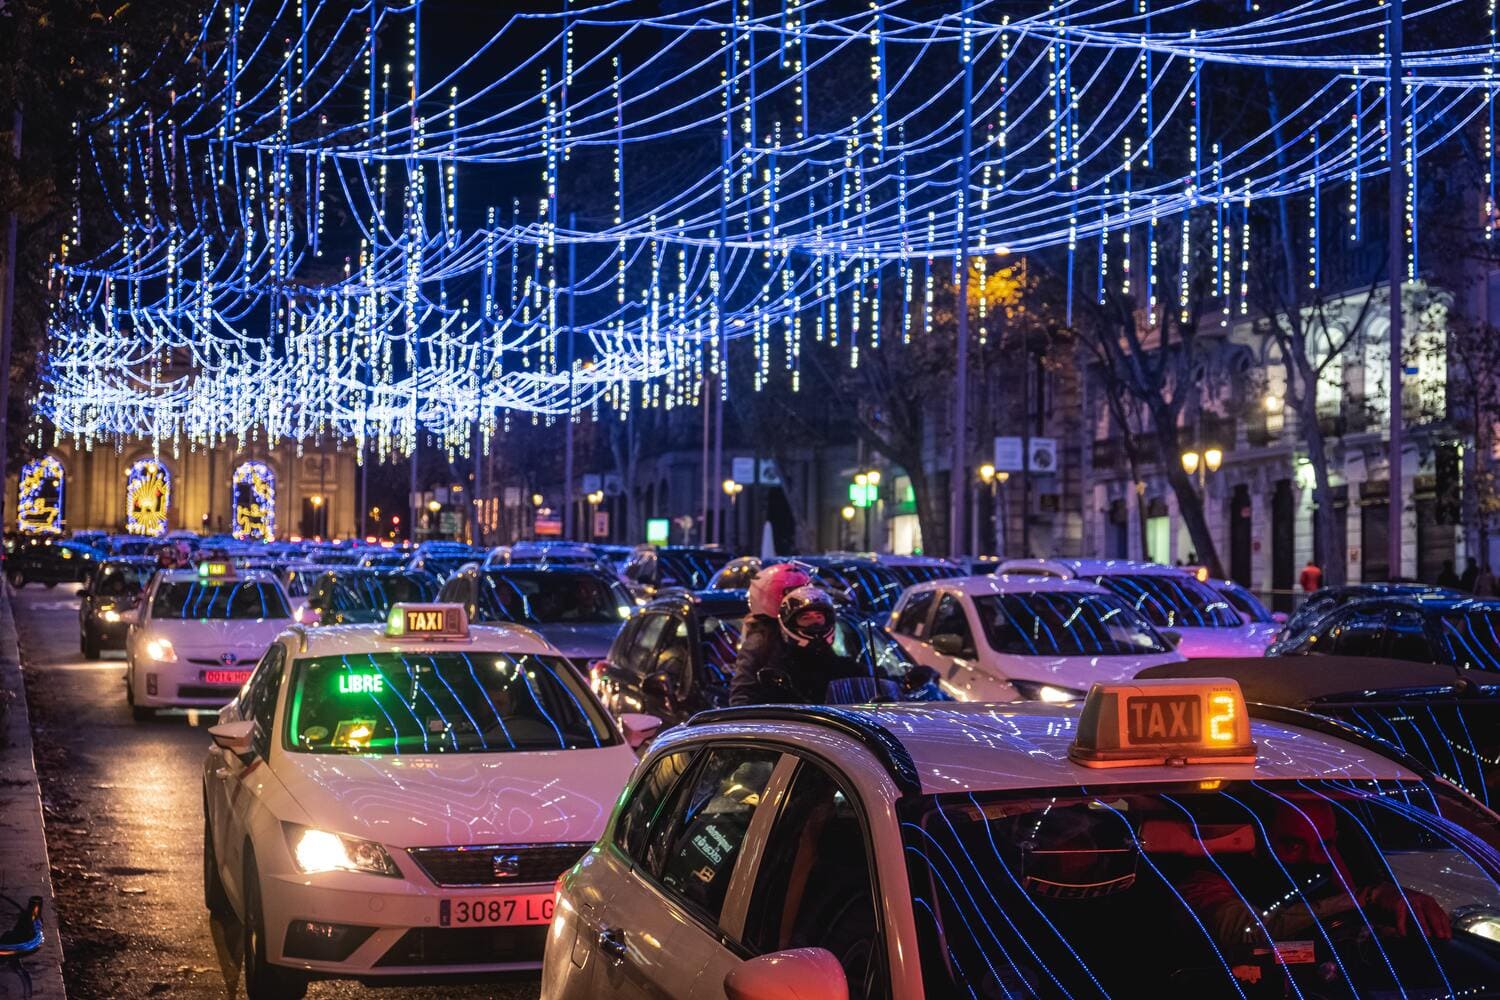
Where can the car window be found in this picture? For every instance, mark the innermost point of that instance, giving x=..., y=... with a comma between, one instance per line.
x=264, y=686
x=638, y=658
x=645, y=800
x=813, y=887
x=542, y=597
x=693, y=852
x=218, y=600
x=721, y=645
x=951, y=620
x=1406, y=636
x=913, y=618
x=1173, y=600
x=1359, y=633
x=1064, y=623
x=673, y=655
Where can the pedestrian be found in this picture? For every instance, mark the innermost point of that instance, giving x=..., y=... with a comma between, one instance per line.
x=1311, y=578
x=1484, y=583
x=1471, y=574
x=1447, y=577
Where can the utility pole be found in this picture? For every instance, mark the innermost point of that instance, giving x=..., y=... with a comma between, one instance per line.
x=1396, y=265
x=958, y=487
x=7, y=318
x=567, y=492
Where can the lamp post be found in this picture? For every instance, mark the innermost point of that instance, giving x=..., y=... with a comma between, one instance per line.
x=1200, y=465
x=867, y=485
x=595, y=499
x=994, y=479
x=733, y=490
x=317, y=505
x=536, y=505
x=847, y=513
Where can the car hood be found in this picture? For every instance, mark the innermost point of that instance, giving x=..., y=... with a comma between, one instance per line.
x=194, y=638
x=1079, y=672
x=590, y=641
x=428, y=800
x=1246, y=640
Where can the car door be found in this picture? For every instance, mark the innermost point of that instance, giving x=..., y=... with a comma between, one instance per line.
x=626, y=674
x=235, y=790
x=911, y=625
x=661, y=929
x=814, y=887
x=713, y=670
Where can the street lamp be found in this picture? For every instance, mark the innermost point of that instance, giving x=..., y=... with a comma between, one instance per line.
x=995, y=479
x=869, y=493
x=733, y=490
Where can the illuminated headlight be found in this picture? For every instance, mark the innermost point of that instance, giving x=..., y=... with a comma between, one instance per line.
x=110, y=615
x=161, y=650
x=1032, y=691
x=624, y=611
x=320, y=851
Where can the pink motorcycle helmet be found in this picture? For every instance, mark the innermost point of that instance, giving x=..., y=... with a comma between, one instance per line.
x=771, y=585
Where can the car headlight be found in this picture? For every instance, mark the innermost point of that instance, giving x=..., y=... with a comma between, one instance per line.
x=316, y=850
x=110, y=615
x=1033, y=691
x=161, y=650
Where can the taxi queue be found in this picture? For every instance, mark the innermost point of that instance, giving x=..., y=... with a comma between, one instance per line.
x=402, y=786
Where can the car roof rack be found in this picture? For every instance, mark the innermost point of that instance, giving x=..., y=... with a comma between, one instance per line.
x=889, y=750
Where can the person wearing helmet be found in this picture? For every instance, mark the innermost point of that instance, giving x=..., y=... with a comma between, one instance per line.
x=790, y=658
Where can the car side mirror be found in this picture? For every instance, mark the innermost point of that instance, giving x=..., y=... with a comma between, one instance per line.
x=795, y=974
x=1173, y=637
x=948, y=644
x=639, y=728
x=1279, y=617
x=236, y=737
x=659, y=685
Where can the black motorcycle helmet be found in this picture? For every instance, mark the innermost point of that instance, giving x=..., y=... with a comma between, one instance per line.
x=807, y=616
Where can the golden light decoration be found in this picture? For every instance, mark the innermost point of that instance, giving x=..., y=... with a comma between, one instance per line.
x=39, y=508
x=254, y=489
x=148, y=498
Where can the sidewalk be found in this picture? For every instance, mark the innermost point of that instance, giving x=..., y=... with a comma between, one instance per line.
x=24, y=869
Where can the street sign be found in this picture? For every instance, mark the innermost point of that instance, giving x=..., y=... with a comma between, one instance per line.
x=448, y=522
x=769, y=474
x=549, y=526
x=1043, y=456
x=742, y=469
x=591, y=483
x=612, y=485
x=601, y=524
x=1008, y=454
x=658, y=530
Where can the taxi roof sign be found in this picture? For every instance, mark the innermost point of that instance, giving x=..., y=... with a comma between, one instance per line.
x=1164, y=721
x=216, y=567
x=427, y=621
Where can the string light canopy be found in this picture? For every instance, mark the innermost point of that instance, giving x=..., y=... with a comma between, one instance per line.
x=366, y=222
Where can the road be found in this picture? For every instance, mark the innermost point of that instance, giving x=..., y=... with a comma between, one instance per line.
x=125, y=830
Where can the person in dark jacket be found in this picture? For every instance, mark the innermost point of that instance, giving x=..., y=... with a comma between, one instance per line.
x=790, y=658
x=1447, y=577
x=1470, y=575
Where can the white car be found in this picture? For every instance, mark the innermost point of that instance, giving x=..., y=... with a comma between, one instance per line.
x=1152, y=841
x=197, y=634
x=395, y=801
x=1000, y=638
x=1170, y=598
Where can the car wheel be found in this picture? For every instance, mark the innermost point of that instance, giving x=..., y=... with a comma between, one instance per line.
x=17, y=578
x=214, y=896
x=263, y=981
x=140, y=713
x=88, y=641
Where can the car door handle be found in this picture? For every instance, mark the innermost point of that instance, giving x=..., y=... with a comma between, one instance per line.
x=612, y=943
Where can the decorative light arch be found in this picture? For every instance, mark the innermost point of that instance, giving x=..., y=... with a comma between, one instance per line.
x=253, y=499
x=148, y=498
x=39, y=510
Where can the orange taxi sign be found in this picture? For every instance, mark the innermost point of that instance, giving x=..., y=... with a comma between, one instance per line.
x=427, y=621
x=1164, y=721
x=216, y=567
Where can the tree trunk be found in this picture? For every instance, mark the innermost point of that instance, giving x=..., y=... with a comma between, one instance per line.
x=931, y=506
x=1189, y=500
x=1330, y=547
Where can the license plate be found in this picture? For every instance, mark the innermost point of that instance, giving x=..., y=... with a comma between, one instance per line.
x=235, y=677
x=496, y=911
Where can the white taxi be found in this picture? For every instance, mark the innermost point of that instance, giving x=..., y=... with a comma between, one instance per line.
x=390, y=801
x=1000, y=638
x=197, y=633
x=1153, y=840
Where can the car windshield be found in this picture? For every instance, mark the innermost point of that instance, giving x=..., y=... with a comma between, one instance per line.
x=445, y=565
x=872, y=588
x=910, y=574
x=692, y=570
x=1206, y=889
x=1172, y=600
x=384, y=559
x=440, y=702
x=122, y=580
x=1243, y=601
x=219, y=600
x=374, y=593
x=540, y=597
x=1471, y=637
x=1064, y=623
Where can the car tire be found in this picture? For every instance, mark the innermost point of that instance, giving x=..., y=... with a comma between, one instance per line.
x=263, y=981
x=214, y=896
x=17, y=578
x=140, y=713
x=88, y=641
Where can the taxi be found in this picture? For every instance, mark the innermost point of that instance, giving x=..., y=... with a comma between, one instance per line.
x=197, y=633
x=1154, y=839
x=394, y=801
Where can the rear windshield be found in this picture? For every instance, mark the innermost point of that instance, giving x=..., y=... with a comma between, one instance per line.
x=538, y=597
x=1243, y=601
x=1172, y=600
x=376, y=592
x=232, y=600
x=692, y=570
x=440, y=702
x=1063, y=623
x=911, y=574
x=1472, y=638
x=871, y=588
x=122, y=580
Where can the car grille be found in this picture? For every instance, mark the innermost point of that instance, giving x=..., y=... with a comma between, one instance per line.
x=466, y=946
x=460, y=866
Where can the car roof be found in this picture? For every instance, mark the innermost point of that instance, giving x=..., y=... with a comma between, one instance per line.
x=1428, y=602
x=548, y=569
x=713, y=602
x=1297, y=680
x=355, y=640
x=128, y=561
x=975, y=747
x=240, y=576
x=980, y=586
x=1089, y=567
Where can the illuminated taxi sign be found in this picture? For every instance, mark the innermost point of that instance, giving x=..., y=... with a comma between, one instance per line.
x=216, y=567
x=427, y=621
x=1164, y=721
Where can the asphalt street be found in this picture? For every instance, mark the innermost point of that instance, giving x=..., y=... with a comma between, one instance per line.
x=124, y=822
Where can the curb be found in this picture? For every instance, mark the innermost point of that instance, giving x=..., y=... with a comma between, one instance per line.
x=24, y=867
